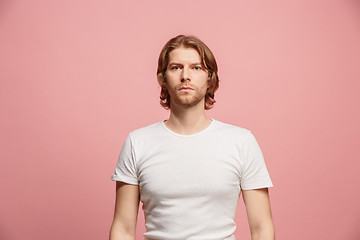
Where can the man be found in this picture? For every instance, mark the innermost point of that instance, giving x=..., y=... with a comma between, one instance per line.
x=189, y=170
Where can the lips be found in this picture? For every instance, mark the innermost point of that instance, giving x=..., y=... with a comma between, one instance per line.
x=189, y=88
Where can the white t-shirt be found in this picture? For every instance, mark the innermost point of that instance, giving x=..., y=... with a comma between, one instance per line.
x=190, y=184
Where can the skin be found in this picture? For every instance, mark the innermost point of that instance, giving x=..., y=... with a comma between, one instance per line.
x=187, y=113
x=187, y=116
x=259, y=215
x=126, y=212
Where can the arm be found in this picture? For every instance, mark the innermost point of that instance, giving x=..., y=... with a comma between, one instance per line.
x=126, y=211
x=258, y=211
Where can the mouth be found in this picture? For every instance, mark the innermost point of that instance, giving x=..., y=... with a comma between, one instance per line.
x=186, y=88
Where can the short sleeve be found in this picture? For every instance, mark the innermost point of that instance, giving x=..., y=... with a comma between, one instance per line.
x=254, y=172
x=125, y=170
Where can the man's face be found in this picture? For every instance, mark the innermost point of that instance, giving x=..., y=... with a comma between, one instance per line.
x=186, y=79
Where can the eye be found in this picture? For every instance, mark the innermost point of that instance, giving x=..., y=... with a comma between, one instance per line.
x=175, y=67
x=197, y=68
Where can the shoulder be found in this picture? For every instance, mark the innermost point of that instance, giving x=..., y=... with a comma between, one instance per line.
x=232, y=130
x=146, y=131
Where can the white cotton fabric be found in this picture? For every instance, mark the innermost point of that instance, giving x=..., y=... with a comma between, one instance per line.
x=190, y=184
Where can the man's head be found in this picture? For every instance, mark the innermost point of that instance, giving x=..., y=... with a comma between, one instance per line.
x=208, y=62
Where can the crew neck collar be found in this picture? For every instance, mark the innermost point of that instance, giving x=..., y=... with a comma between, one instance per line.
x=191, y=135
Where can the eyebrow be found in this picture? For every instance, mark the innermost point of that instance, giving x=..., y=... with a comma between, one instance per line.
x=175, y=63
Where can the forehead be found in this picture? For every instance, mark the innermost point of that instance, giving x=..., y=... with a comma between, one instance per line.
x=187, y=55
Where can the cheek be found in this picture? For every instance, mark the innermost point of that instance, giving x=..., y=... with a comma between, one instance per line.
x=170, y=77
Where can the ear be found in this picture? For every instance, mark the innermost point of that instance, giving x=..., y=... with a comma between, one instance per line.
x=208, y=81
x=161, y=80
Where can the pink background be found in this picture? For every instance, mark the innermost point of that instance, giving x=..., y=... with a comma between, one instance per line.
x=78, y=76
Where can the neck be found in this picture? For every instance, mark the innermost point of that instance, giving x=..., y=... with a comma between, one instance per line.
x=187, y=120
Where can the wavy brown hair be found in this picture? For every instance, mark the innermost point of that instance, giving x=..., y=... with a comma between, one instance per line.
x=207, y=59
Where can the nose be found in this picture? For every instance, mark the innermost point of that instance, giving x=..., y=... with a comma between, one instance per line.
x=185, y=75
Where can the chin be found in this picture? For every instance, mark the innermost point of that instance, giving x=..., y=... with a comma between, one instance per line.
x=188, y=103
